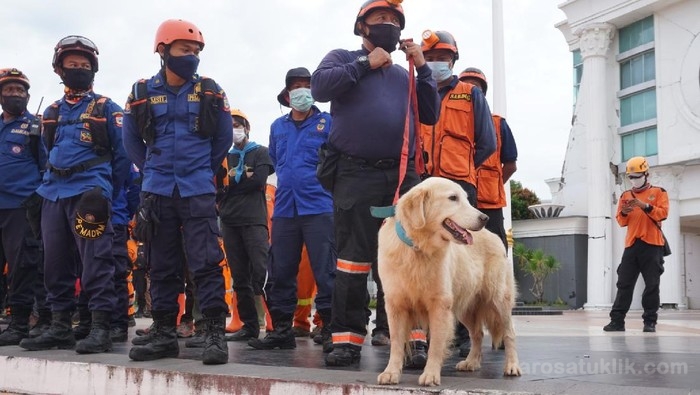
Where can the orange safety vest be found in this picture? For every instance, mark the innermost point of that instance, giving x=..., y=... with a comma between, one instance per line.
x=450, y=142
x=490, y=193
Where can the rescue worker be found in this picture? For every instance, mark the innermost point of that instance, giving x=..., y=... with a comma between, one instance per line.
x=87, y=166
x=177, y=130
x=641, y=209
x=303, y=212
x=22, y=161
x=369, y=98
x=497, y=169
x=243, y=213
x=493, y=173
x=463, y=138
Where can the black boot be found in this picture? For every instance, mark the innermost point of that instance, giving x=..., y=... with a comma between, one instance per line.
x=418, y=355
x=215, y=347
x=615, y=326
x=163, y=343
x=200, y=334
x=326, y=333
x=98, y=340
x=343, y=355
x=60, y=335
x=18, y=328
x=82, y=330
x=281, y=337
x=145, y=335
x=42, y=324
x=119, y=335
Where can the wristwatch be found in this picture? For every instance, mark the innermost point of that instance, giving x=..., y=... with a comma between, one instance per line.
x=364, y=62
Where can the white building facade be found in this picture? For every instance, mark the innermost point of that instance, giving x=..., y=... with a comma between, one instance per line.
x=636, y=93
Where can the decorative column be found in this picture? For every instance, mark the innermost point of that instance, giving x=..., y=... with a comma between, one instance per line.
x=594, y=44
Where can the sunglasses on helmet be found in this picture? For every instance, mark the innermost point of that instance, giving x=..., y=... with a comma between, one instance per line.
x=72, y=41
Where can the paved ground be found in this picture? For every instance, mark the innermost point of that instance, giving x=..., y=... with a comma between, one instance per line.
x=567, y=354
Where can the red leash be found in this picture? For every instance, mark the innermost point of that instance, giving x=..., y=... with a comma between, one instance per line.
x=412, y=103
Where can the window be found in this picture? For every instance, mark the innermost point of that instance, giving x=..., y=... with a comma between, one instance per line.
x=639, y=143
x=637, y=93
x=636, y=34
x=578, y=72
x=638, y=107
x=638, y=69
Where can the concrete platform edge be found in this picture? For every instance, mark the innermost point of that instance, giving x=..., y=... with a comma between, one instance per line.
x=29, y=375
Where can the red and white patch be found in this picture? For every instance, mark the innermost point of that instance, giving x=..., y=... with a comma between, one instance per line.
x=118, y=120
x=17, y=149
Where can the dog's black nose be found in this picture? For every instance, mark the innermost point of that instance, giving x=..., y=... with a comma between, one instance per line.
x=484, y=218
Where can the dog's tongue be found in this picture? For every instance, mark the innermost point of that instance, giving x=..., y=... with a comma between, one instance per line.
x=459, y=233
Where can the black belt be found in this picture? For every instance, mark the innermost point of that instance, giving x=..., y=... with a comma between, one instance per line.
x=378, y=164
x=80, y=167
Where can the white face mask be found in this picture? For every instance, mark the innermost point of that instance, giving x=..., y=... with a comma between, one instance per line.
x=238, y=135
x=638, y=182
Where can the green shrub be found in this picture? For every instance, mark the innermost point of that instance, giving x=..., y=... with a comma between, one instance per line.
x=536, y=264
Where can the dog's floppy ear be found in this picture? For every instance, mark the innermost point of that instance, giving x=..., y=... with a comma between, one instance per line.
x=412, y=209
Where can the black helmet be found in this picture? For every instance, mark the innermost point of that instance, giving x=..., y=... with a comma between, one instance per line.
x=371, y=5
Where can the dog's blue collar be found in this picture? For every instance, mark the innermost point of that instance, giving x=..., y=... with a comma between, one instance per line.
x=390, y=211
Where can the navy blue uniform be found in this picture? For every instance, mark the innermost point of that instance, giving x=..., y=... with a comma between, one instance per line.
x=64, y=250
x=21, y=165
x=179, y=169
x=303, y=212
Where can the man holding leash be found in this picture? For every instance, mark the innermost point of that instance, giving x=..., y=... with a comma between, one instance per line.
x=366, y=140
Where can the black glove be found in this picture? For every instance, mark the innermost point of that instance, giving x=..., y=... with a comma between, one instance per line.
x=147, y=220
x=33, y=206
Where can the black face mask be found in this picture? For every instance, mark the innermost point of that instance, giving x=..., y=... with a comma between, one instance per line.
x=183, y=66
x=78, y=79
x=14, y=105
x=384, y=35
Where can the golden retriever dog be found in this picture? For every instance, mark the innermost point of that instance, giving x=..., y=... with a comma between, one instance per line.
x=454, y=268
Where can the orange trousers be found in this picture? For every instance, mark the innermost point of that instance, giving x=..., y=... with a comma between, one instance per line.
x=306, y=291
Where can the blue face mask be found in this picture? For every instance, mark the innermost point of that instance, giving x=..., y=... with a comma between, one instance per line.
x=300, y=99
x=441, y=70
x=183, y=66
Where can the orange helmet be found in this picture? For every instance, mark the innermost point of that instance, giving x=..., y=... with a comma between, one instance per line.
x=177, y=29
x=371, y=5
x=238, y=113
x=473, y=72
x=439, y=40
x=82, y=45
x=637, y=164
x=13, y=75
